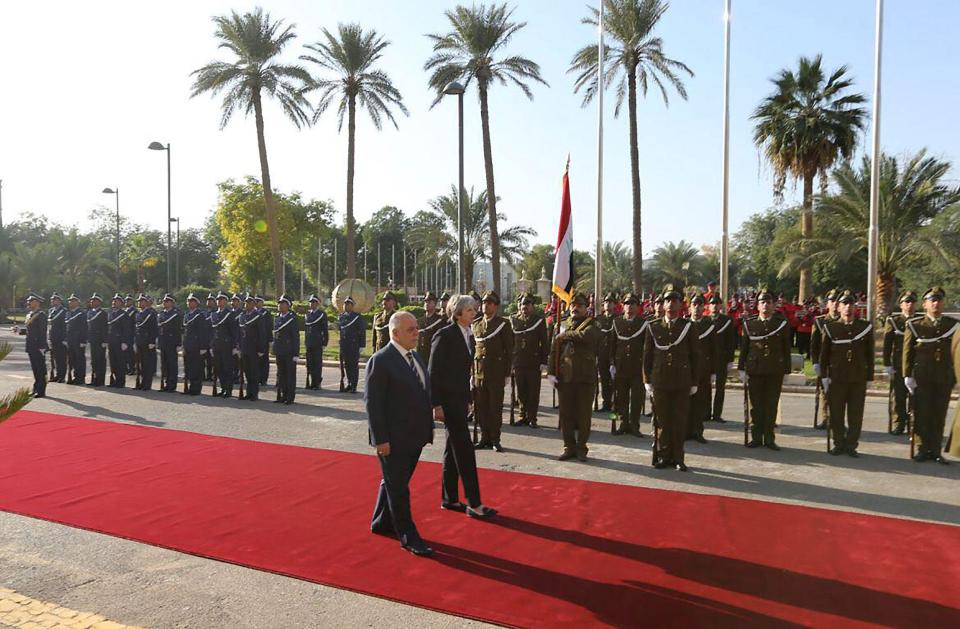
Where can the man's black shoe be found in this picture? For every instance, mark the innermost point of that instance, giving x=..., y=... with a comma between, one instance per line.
x=241, y=397
x=919, y=457
x=700, y=439
x=418, y=548
x=566, y=455
x=837, y=450
x=853, y=453
x=773, y=446
x=288, y=402
x=660, y=465
x=681, y=467
x=719, y=420
x=754, y=444
x=942, y=461
x=582, y=457
x=481, y=512
x=498, y=447
x=533, y=424
x=454, y=506
x=899, y=430
x=383, y=530
x=252, y=399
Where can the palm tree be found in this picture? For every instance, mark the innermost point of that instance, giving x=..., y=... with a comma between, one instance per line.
x=912, y=194
x=809, y=122
x=467, y=53
x=256, y=41
x=633, y=61
x=350, y=56
x=617, y=269
x=82, y=260
x=139, y=252
x=36, y=267
x=677, y=263
x=435, y=232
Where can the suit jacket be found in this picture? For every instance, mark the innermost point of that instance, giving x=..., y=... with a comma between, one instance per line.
x=398, y=405
x=450, y=362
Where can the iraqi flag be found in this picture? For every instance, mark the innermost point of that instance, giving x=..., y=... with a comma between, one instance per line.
x=563, y=255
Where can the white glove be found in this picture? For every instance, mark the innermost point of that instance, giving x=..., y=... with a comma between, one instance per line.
x=649, y=389
x=543, y=367
x=259, y=353
x=64, y=343
x=123, y=346
x=911, y=384
x=889, y=371
x=694, y=389
x=713, y=379
x=743, y=376
x=151, y=346
x=83, y=345
x=205, y=352
x=613, y=371
x=826, y=384
x=103, y=345
x=552, y=380
x=816, y=369
x=236, y=352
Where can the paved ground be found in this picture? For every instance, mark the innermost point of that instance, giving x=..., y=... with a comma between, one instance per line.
x=135, y=584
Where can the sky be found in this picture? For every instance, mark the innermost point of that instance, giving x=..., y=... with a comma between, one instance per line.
x=87, y=86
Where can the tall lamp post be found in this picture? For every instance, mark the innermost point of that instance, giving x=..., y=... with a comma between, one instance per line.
x=456, y=89
x=116, y=192
x=177, y=221
x=157, y=146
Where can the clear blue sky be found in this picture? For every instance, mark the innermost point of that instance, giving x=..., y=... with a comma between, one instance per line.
x=89, y=85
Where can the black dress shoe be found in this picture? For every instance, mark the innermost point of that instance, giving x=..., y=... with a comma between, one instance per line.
x=919, y=457
x=383, y=530
x=899, y=430
x=821, y=426
x=754, y=444
x=533, y=424
x=853, y=453
x=681, y=467
x=837, y=450
x=481, y=512
x=773, y=446
x=278, y=401
x=241, y=397
x=661, y=465
x=942, y=461
x=453, y=506
x=498, y=447
x=700, y=439
x=418, y=548
x=582, y=457
x=288, y=402
x=567, y=455
x=719, y=420
x=483, y=445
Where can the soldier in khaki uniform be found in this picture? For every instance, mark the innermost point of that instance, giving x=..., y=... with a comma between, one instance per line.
x=706, y=336
x=491, y=368
x=764, y=361
x=953, y=442
x=727, y=342
x=928, y=372
x=381, y=322
x=816, y=339
x=531, y=348
x=846, y=363
x=605, y=321
x=893, y=331
x=429, y=324
x=572, y=369
x=670, y=365
x=627, y=350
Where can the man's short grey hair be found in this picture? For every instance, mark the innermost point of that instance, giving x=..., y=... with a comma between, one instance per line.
x=457, y=304
x=397, y=317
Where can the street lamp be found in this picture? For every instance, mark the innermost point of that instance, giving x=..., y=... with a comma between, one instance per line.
x=156, y=146
x=116, y=192
x=177, y=221
x=456, y=89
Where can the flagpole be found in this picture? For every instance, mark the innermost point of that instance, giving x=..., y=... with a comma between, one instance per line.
x=598, y=273
x=725, y=228
x=873, y=235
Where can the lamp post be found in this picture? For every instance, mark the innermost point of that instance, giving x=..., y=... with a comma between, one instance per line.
x=116, y=191
x=456, y=89
x=177, y=221
x=157, y=146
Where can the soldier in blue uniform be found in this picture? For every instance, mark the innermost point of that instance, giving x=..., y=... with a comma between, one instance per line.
x=57, y=337
x=253, y=346
x=236, y=306
x=170, y=337
x=353, y=336
x=225, y=345
x=119, y=340
x=97, y=337
x=130, y=307
x=286, y=346
x=76, y=321
x=266, y=319
x=316, y=339
x=145, y=339
x=36, y=324
x=196, y=345
x=208, y=357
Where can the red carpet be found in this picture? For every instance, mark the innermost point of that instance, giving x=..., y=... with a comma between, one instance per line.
x=565, y=552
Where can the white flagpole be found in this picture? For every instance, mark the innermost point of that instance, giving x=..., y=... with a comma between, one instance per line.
x=725, y=235
x=598, y=273
x=873, y=235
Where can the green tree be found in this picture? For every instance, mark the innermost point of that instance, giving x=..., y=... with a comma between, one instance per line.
x=633, y=60
x=809, y=122
x=539, y=259
x=678, y=263
x=35, y=268
x=256, y=42
x=140, y=252
x=82, y=262
x=350, y=57
x=912, y=194
x=469, y=52
x=386, y=229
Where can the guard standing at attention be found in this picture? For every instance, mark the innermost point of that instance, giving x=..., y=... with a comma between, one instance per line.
x=429, y=324
x=764, y=361
x=707, y=351
x=531, y=349
x=225, y=344
x=36, y=344
x=286, y=347
x=893, y=331
x=57, y=332
x=727, y=343
x=605, y=321
x=145, y=338
x=196, y=345
x=317, y=337
x=266, y=320
x=381, y=322
x=170, y=322
x=253, y=345
x=119, y=340
x=627, y=339
x=97, y=337
x=353, y=337
x=816, y=339
x=130, y=307
x=491, y=368
x=208, y=357
x=76, y=342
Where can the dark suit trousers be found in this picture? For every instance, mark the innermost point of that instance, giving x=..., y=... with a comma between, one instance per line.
x=148, y=367
x=77, y=360
x=286, y=378
x=59, y=353
x=847, y=401
x=39, y=367
x=931, y=402
x=575, y=413
x=604, y=360
x=898, y=399
x=459, y=458
x=351, y=367
x=98, y=364
x=628, y=401
x=489, y=408
x=250, y=367
x=118, y=365
x=699, y=407
x=527, y=381
x=719, y=391
x=168, y=358
x=223, y=368
x=672, y=414
x=764, y=400
x=264, y=370
x=392, y=511
x=315, y=364
x=193, y=370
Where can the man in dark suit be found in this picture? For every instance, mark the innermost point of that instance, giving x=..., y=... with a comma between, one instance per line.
x=36, y=324
x=397, y=396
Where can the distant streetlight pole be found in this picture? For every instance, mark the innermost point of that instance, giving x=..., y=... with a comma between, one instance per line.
x=177, y=221
x=116, y=192
x=725, y=200
x=157, y=146
x=873, y=233
x=456, y=89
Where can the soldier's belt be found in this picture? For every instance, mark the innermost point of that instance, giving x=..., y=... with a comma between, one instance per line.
x=431, y=326
x=145, y=319
x=765, y=336
x=581, y=327
x=285, y=323
x=845, y=341
x=315, y=321
x=55, y=317
x=219, y=323
x=99, y=312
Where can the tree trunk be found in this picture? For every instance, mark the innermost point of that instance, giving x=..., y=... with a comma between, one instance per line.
x=635, y=180
x=886, y=290
x=272, y=228
x=806, y=230
x=351, y=138
x=491, y=191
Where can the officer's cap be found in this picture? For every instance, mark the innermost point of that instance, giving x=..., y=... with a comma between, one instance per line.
x=117, y=296
x=580, y=298
x=445, y=296
x=630, y=298
x=235, y=297
x=764, y=295
x=714, y=299
x=250, y=298
x=55, y=296
x=609, y=297
x=211, y=297
x=260, y=298
x=934, y=293
x=526, y=298
x=313, y=298
x=129, y=297
x=192, y=297
x=658, y=299
x=349, y=300
x=33, y=297
x=430, y=296
x=907, y=295
x=97, y=297
x=169, y=297
x=475, y=295
x=73, y=297
x=142, y=297
x=847, y=296
x=388, y=295
x=697, y=300
x=491, y=296
x=669, y=292
x=284, y=298
x=222, y=295
x=832, y=294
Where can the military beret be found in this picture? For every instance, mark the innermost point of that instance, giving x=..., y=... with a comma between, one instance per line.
x=714, y=299
x=55, y=296
x=580, y=298
x=847, y=296
x=284, y=299
x=697, y=300
x=907, y=295
x=630, y=298
x=934, y=293
x=97, y=297
x=388, y=295
x=349, y=300
x=430, y=296
x=33, y=297
x=73, y=297
x=669, y=292
x=313, y=298
x=192, y=297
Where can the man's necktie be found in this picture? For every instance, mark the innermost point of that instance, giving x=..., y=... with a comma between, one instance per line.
x=413, y=367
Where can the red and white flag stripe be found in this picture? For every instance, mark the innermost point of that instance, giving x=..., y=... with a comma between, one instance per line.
x=563, y=258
